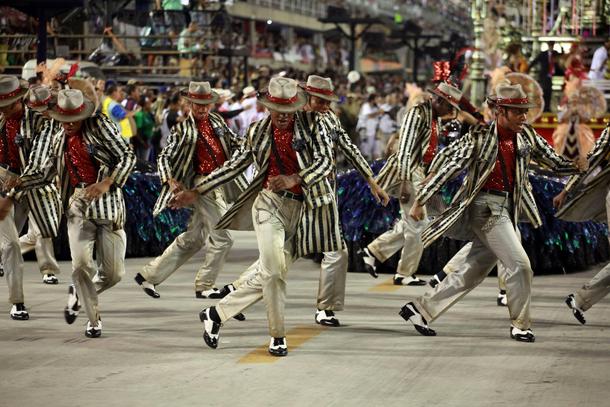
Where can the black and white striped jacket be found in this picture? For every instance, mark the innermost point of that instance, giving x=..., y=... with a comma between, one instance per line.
x=34, y=142
x=477, y=152
x=588, y=190
x=177, y=158
x=112, y=155
x=341, y=140
x=318, y=230
x=414, y=139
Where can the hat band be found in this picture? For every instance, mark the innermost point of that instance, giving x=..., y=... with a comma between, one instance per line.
x=10, y=94
x=327, y=92
x=39, y=103
x=71, y=112
x=448, y=96
x=202, y=96
x=281, y=101
x=512, y=101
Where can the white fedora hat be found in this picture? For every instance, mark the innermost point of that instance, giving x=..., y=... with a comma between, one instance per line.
x=71, y=106
x=509, y=95
x=200, y=93
x=10, y=90
x=39, y=97
x=283, y=96
x=321, y=87
x=450, y=93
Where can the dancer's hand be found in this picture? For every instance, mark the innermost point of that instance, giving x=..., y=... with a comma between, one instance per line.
x=379, y=193
x=284, y=182
x=183, y=199
x=175, y=186
x=11, y=183
x=5, y=207
x=582, y=163
x=417, y=211
x=559, y=199
x=96, y=190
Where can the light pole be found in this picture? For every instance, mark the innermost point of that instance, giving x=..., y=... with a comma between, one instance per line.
x=477, y=68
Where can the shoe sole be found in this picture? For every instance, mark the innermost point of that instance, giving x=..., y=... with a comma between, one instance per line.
x=240, y=317
x=575, y=312
x=20, y=317
x=51, y=282
x=278, y=353
x=406, y=314
x=212, y=343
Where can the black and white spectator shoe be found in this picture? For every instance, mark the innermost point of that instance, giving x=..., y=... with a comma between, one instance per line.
x=577, y=312
x=94, y=331
x=146, y=286
x=19, y=312
x=521, y=335
x=50, y=278
x=399, y=279
x=211, y=328
x=369, y=262
x=410, y=313
x=437, y=278
x=226, y=290
x=278, y=347
x=71, y=310
x=211, y=293
x=1, y=270
x=502, y=300
x=326, y=318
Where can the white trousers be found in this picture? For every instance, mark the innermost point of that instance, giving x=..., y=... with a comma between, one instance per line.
x=45, y=254
x=275, y=222
x=496, y=239
x=93, y=277
x=207, y=211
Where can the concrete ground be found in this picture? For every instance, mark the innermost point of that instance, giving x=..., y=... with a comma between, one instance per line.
x=152, y=353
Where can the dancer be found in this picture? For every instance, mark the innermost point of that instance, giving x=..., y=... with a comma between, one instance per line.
x=290, y=202
x=486, y=209
x=590, y=200
x=93, y=162
x=196, y=147
x=402, y=174
x=333, y=272
x=25, y=138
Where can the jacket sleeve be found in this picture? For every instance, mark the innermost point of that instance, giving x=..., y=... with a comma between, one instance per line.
x=40, y=169
x=112, y=141
x=595, y=156
x=544, y=154
x=167, y=155
x=234, y=166
x=349, y=149
x=410, y=128
x=462, y=155
x=322, y=153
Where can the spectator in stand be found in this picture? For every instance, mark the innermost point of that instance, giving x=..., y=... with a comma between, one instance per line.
x=174, y=16
x=548, y=68
x=368, y=123
x=248, y=104
x=111, y=107
x=145, y=124
x=598, y=63
x=133, y=96
x=171, y=116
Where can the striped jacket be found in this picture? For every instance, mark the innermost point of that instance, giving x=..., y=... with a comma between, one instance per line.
x=413, y=142
x=177, y=158
x=477, y=152
x=318, y=230
x=341, y=140
x=588, y=190
x=113, y=157
x=34, y=142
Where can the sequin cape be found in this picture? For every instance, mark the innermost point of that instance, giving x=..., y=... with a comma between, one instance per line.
x=476, y=152
x=34, y=142
x=587, y=199
x=177, y=158
x=414, y=138
x=318, y=229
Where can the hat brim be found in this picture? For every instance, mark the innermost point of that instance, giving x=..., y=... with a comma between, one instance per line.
x=493, y=101
x=277, y=107
x=213, y=99
x=12, y=99
x=330, y=98
x=439, y=94
x=82, y=115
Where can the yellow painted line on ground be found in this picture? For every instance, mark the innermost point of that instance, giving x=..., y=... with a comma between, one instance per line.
x=386, y=286
x=295, y=337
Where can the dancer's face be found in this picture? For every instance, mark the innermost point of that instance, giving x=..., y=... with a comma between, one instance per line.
x=318, y=104
x=512, y=118
x=12, y=110
x=200, y=112
x=281, y=121
x=72, y=127
x=441, y=107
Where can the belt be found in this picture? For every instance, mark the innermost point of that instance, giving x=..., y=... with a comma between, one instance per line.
x=82, y=185
x=290, y=195
x=496, y=192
